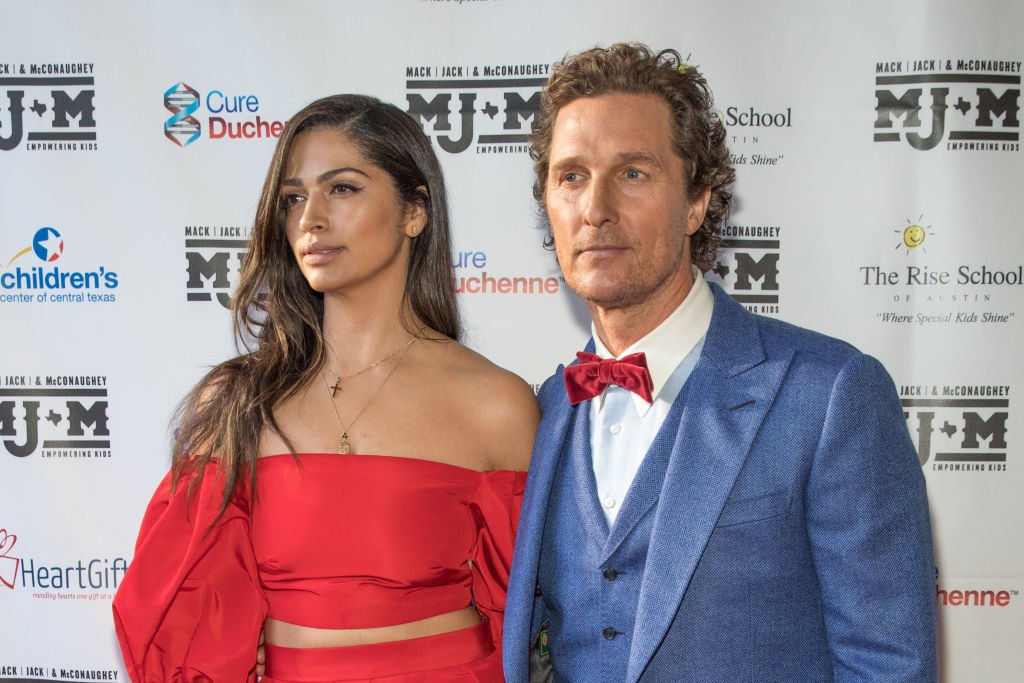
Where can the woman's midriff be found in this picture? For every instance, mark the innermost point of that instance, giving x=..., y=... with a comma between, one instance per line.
x=284, y=634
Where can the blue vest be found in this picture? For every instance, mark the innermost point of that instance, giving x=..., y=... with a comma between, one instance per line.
x=590, y=577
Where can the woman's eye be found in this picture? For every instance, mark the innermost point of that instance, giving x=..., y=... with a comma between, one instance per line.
x=344, y=188
x=289, y=200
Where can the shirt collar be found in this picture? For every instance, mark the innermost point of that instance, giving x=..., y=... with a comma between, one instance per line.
x=670, y=342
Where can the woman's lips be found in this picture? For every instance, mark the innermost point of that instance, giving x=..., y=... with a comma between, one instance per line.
x=317, y=255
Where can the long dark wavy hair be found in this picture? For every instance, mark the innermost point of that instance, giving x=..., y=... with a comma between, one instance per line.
x=278, y=317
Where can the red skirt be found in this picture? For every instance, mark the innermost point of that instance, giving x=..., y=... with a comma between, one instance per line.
x=464, y=656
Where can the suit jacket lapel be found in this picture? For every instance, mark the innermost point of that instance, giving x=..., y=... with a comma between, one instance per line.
x=732, y=388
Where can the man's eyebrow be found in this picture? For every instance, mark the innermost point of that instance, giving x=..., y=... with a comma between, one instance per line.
x=325, y=176
x=638, y=158
x=620, y=158
x=566, y=162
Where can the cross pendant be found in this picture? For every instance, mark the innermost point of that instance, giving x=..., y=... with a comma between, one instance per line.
x=337, y=385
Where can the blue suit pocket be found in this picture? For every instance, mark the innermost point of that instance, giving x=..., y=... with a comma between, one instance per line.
x=753, y=509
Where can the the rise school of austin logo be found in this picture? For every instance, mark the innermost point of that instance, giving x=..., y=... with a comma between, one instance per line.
x=232, y=116
x=909, y=275
x=489, y=108
x=58, y=417
x=748, y=266
x=749, y=127
x=472, y=277
x=36, y=274
x=958, y=428
x=967, y=104
x=213, y=261
x=50, y=107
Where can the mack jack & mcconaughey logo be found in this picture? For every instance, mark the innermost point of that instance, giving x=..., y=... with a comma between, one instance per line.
x=49, y=106
x=748, y=266
x=958, y=428
x=213, y=261
x=974, y=104
x=59, y=417
x=493, y=105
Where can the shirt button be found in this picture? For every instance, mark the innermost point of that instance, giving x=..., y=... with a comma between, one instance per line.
x=609, y=502
x=609, y=633
x=610, y=574
x=615, y=428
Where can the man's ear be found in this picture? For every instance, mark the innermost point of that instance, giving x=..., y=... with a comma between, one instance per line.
x=698, y=207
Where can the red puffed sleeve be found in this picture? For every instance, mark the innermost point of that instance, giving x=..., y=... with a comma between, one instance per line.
x=496, y=507
x=190, y=607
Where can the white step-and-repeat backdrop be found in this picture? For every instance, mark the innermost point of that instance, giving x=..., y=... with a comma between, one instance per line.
x=879, y=199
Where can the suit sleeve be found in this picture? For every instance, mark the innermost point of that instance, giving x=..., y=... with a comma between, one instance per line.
x=870, y=533
x=190, y=606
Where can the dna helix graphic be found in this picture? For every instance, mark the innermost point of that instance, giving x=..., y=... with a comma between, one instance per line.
x=182, y=101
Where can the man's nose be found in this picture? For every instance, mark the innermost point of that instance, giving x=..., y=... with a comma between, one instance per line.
x=599, y=203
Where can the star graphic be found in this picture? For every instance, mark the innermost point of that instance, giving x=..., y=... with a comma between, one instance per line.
x=52, y=245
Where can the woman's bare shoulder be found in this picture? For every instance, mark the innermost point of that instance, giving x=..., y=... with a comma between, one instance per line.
x=492, y=402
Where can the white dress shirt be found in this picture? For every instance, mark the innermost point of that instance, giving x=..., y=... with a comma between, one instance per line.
x=623, y=425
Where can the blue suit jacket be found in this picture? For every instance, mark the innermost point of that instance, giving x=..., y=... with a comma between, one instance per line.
x=792, y=538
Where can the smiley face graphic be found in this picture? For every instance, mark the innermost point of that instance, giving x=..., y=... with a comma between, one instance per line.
x=913, y=236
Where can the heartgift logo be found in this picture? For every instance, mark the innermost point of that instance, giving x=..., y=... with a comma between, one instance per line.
x=8, y=564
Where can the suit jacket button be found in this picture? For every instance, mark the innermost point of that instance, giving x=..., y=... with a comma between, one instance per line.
x=610, y=574
x=609, y=633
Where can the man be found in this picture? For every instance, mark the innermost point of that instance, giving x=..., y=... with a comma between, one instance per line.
x=735, y=499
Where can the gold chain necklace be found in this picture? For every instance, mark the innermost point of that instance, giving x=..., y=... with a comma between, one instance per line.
x=344, y=445
x=339, y=378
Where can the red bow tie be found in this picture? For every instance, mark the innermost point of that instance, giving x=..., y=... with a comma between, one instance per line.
x=592, y=374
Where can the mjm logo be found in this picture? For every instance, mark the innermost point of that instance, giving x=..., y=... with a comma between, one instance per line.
x=986, y=109
x=959, y=430
x=62, y=106
x=748, y=269
x=504, y=116
x=209, y=268
x=78, y=420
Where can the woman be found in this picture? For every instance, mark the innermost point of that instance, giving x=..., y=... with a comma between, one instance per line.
x=354, y=479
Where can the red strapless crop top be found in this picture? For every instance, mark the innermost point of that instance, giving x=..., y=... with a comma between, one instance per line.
x=331, y=541
x=359, y=541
